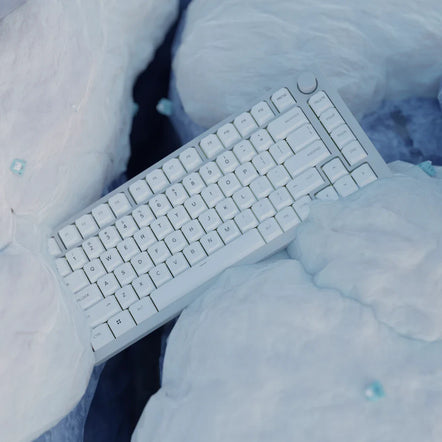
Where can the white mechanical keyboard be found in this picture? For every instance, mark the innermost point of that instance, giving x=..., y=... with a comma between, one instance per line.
x=235, y=194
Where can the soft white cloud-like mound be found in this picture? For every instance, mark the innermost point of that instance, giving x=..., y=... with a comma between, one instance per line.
x=237, y=50
x=268, y=356
x=383, y=247
x=272, y=352
x=66, y=77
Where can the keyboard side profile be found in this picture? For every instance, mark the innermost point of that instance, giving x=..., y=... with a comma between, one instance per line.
x=137, y=257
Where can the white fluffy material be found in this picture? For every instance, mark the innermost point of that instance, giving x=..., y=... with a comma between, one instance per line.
x=370, y=50
x=66, y=77
x=382, y=247
x=274, y=353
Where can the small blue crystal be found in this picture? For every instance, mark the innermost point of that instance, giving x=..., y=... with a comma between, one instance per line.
x=374, y=391
x=18, y=166
x=164, y=107
x=428, y=168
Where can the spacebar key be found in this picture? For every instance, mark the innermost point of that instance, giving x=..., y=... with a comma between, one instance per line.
x=207, y=269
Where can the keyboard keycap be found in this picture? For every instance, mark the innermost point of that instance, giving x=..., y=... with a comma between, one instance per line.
x=229, y=184
x=228, y=231
x=70, y=236
x=140, y=191
x=160, y=274
x=302, y=137
x=345, y=186
x=245, y=124
x=102, y=311
x=86, y=225
x=111, y=259
x=161, y=227
x=94, y=270
x=142, y=310
x=331, y=119
x=63, y=266
x=125, y=273
x=158, y=252
x=263, y=209
x=210, y=173
x=353, y=152
x=178, y=216
x=262, y=113
x=126, y=296
x=278, y=176
x=119, y=204
x=227, y=162
x=342, y=135
x=334, y=169
x=280, y=151
x=144, y=238
x=193, y=183
x=226, y=209
x=76, y=280
x=109, y=237
x=280, y=198
x=143, y=215
x=363, y=175
x=103, y=214
x=76, y=258
x=244, y=198
x=93, y=247
x=157, y=180
x=283, y=99
x=246, y=220
x=244, y=151
x=141, y=263
x=88, y=296
x=121, y=323
x=177, y=264
x=176, y=194
x=190, y=159
x=269, y=229
x=287, y=218
x=159, y=204
x=209, y=220
x=100, y=336
x=286, y=123
x=212, y=195
x=246, y=173
x=263, y=162
x=319, y=103
x=175, y=241
x=306, y=158
x=211, y=145
x=193, y=230
x=329, y=193
x=108, y=284
x=127, y=248
x=305, y=183
x=261, y=187
x=228, y=134
x=194, y=253
x=126, y=226
x=211, y=242
x=143, y=285
x=173, y=169
x=195, y=206
x=261, y=140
